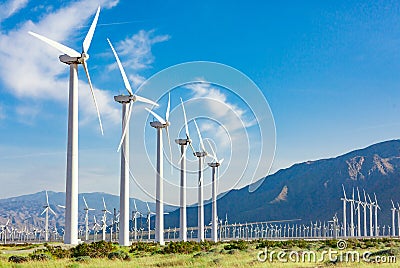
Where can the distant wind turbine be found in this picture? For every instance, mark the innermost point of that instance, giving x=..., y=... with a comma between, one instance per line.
x=104, y=219
x=46, y=210
x=87, y=209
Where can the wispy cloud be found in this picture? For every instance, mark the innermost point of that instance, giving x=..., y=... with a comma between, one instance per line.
x=44, y=77
x=10, y=8
x=137, y=55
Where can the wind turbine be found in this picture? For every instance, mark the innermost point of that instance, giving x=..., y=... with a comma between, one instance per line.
x=358, y=214
x=398, y=217
x=104, y=219
x=46, y=210
x=364, y=204
x=200, y=155
x=393, y=219
x=371, y=204
x=352, y=215
x=214, y=165
x=376, y=215
x=95, y=226
x=183, y=143
x=148, y=219
x=134, y=219
x=127, y=105
x=86, y=209
x=4, y=230
x=344, y=198
x=73, y=58
x=159, y=125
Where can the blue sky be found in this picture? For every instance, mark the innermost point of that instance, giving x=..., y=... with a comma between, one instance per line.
x=329, y=71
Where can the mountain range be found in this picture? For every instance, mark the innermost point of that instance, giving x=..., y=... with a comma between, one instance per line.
x=308, y=191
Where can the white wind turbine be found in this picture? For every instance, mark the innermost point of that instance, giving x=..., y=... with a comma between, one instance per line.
x=376, y=215
x=46, y=210
x=352, y=206
x=127, y=105
x=135, y=212
x=4, y=231
x=365, y=204
x=73, y=58
x=200, y=218
x=398, y=217
x=159, y=125
x=393, y=219
x=344, y=198
x=183, y=143
x=371, y=204
x=87, y=209
x=214, y=177
x=104, y=219
x=358, y=214
x=95, y=228
x=148, y=220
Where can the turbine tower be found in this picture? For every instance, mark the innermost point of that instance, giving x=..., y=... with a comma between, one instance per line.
x=214, y=177
x=393, y=219
x=134, y=219
x=159, y=125
x=127, y=102
x=86, y=209
x=344, y=198
x=398, y=218
x=46, y=210
x=183, y=143
x=148, y=220
x=73, y=58
x=200, y=217
x=104, y=219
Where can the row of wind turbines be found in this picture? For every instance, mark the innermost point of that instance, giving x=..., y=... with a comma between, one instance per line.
x=73, y=58
x=364, y=208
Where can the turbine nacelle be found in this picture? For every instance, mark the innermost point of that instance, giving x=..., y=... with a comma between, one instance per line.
x=158, y=124
x=183, y=141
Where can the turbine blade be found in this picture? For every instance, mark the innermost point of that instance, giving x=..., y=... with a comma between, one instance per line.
x=392, y=203
x=214, y=156
x=63, y=49
x=169, y=145
x=344, y=192
x=47, y=199
x=94, y=97
x=134, y=204
x=201, y=139
x=168, y=107
x=358, y=193
x=85, y=202
x=220, y=161
x=148, y=208
x=127, y=120
x=184, y=153
x=104, y=204
x=159, y=118
x=186, y=124
x=142, y=99
x=44, y=210
x=61, y=206
x=89, y=35
x=121, y=69
x=376, y=201
x=52, y=211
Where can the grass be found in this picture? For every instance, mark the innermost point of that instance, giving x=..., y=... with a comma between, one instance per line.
x=191, y=254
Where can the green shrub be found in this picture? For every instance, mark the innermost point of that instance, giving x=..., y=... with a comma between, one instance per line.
x=144, y=247
x=18, y=259
x=240, y=244
x=99, y=249
x=122, y=255
x=39, y=257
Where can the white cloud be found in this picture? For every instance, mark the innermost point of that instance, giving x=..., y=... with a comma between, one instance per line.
x=136, y=53
x=10, y=8
x=33, y=70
